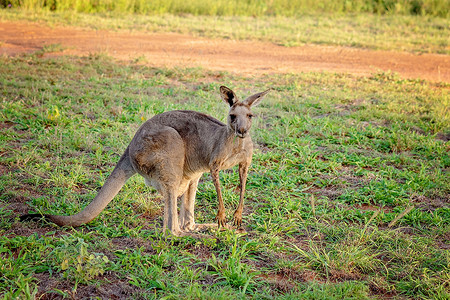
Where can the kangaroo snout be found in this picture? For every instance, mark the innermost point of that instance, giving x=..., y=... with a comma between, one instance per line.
x=241, y=132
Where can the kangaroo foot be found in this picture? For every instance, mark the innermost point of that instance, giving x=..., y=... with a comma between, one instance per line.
x=206, y=227
x=182, y=233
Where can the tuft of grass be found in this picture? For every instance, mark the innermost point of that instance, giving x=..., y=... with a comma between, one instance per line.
x=337, y=159
x=52, y=48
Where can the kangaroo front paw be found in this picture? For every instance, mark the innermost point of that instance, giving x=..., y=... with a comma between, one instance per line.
x=220, y=218
x=237, y=218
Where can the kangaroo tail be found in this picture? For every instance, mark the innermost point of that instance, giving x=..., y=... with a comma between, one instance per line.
x=109, y=190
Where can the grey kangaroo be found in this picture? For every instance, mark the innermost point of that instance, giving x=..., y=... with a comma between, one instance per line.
x=171, y=151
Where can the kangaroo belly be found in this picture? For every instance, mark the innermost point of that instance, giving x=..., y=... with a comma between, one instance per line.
x=153, y=182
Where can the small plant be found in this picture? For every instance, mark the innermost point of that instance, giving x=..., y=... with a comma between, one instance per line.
x=53, y=114
x=24, y=288
x=52, y=48
x=77, y=263
x=316, y=257
x=236, y=273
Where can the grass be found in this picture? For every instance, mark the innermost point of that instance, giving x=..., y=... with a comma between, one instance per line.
x=241, y=8
x=338, y=158
x=418, y=34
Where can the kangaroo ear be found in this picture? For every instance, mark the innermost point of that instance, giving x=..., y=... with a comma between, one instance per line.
x=254, y=100
x=228, y=95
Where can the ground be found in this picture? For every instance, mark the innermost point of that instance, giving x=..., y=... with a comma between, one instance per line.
x=338, y=159
x=243, y=57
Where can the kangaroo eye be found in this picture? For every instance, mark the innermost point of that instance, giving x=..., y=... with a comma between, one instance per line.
x=250, y=116
x=232, y=117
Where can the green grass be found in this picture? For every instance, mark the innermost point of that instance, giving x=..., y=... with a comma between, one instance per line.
x=241, y=8
x=338, y=158
x=418, y=34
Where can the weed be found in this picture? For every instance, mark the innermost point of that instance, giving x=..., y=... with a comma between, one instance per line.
x=20, y=288
x=50, y=48
x=236, y=273
x=77, y=263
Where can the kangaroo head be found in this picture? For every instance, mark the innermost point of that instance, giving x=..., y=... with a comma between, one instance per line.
x=240, y=115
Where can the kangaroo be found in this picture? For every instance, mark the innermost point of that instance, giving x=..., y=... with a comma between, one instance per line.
x=171, y=151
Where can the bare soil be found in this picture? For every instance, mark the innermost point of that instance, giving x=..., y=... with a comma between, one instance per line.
x=243, y=57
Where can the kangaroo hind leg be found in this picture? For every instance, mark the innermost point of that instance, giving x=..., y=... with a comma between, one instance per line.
x=187, y=220
x=158, y=155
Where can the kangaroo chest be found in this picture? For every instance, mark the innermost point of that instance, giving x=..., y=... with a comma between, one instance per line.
x=235, y=155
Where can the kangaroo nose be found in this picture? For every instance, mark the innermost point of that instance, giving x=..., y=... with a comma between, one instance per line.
x=241, y=131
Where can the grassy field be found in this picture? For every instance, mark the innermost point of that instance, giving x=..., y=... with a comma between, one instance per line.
x=348, y=193
x=240, y=8
x=417, y=34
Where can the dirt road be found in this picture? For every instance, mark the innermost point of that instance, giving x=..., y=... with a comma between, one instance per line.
x=170, y=49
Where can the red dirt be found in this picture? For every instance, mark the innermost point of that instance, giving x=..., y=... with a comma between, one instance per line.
x=244, y=57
